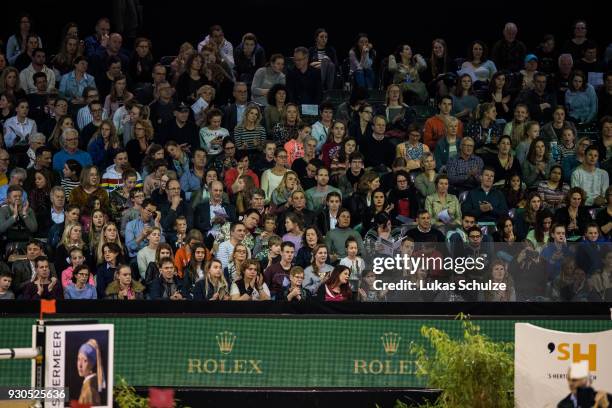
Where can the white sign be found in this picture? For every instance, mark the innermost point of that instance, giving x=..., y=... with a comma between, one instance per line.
x=80, y=358
x=542, y=358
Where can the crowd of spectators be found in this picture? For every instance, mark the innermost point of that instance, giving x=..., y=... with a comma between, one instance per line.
x=224, y=174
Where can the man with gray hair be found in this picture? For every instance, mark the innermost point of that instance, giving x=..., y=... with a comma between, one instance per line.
x=16, y=178
x=69, y=141
x=36, y=140
x=509, y=52
x=233, y=113
x=303, y=81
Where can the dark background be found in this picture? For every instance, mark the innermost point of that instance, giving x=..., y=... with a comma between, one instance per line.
x=283, y=25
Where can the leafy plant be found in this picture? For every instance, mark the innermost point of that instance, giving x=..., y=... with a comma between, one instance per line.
x=471, y=372
x=126, y=397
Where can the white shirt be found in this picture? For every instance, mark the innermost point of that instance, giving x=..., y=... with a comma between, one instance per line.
x=17, y=133
x=226, y=50
x=27, y=82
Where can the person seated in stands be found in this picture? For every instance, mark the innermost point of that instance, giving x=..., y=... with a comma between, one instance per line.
x=24, y=271
x=538, y=164
x=6, y=279
x=167, y=286
x=480, y=68
x=303, y=81
x=124, y=287
x=539, y=100
x=337, y=288
x=82, y=285
x=486, y=202
x=508, y=53
x=581, y=99
x=251, y=286
x=424, y=232
x=574, y=216
x=211, y=215
x=449, y=146
x=69, y=142
x=336, y=238
x=593, y=180
x=435, y=126
x=213, y=286
x=464, y=170
x=42, y=285
x=276, y=275
x=295, y=292
x=323, y=57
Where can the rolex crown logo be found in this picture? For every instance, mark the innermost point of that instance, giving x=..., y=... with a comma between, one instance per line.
x=225, y=341
x=390, y=342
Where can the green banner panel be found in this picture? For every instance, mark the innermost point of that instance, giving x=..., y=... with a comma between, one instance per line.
x=271, y=352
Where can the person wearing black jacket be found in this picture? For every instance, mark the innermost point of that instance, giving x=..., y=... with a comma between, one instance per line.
x=324, y=58
x=297, y=206
x=539, y=101
x=381, y=151
x=303, y=81
x=182, y=130
x=327, y=218
x=175, y=206
x=202, y=213
x=167, y=286
x=249, y=56
x=233, y=113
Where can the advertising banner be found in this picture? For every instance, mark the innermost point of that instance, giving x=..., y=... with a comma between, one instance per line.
x=543, y=358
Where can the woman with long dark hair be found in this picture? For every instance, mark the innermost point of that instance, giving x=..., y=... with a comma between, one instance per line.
x=362, y=57
x=337, y=288
x=195, y=270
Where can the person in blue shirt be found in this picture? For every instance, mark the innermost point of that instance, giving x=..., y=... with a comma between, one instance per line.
x=69, y=141
x=136, y=231
x=73, y=84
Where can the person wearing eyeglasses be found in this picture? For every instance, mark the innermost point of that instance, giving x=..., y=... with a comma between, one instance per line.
x=80, y=287
x=137, y=231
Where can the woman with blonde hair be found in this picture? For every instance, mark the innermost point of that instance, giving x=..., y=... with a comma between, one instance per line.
x=178, y=65
x=249, y=134
x=287, y=128
x=289, y=183
x=207, y=94
x=516, y=128
x=214, y=286
x=71, y=238
x=109, y=234
x=425, y=181
x=235, y=267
